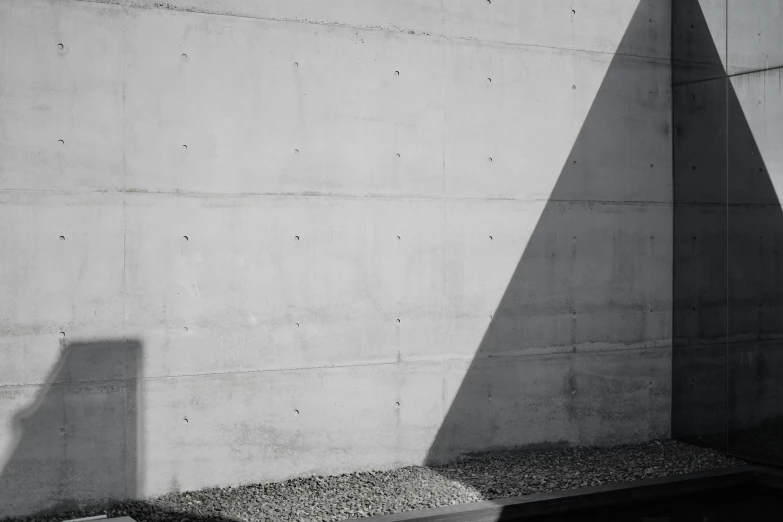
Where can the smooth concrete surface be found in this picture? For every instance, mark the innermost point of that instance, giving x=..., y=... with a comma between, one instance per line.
x=698, y=46
x=565, y=24
x=755, y=35
x=728, y=228
x=249, y=241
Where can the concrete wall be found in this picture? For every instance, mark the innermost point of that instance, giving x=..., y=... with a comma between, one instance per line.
x=247, y=242
x=728, y=169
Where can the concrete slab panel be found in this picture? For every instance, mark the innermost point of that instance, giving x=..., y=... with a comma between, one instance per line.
x=62, y=269
x=699, y=143
x=68, y=445
x=326, y=421
x=310, y=108
x=699, y=394
x=754, y=399
x=335, y=295
x=61, y=109
x=755, y=292
x=699, y=275
x=563, y=24
x=698, y=40
x=755, y=35
x=515, y=401
x=494, y=93
x=755, y=122
x=344, y=415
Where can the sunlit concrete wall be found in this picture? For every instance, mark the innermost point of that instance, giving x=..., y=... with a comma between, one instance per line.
x=244, y=241
x=728, y=175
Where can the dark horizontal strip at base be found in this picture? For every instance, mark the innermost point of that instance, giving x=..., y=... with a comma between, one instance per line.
x=593, y=497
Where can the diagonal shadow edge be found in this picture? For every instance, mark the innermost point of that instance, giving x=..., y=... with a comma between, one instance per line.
x=567, y=396
x=726, y=293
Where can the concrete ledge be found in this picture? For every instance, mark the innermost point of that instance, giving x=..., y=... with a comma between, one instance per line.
x=539, y=504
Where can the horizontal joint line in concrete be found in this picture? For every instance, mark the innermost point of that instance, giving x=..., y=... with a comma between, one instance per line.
x=388, y=362
x=396, y=30
x=238, y=195
x=733, y=75
x=733, y=205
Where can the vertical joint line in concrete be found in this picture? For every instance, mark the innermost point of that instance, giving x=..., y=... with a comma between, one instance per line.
x=728, y=366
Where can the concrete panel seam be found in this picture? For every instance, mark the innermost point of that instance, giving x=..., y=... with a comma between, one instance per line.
x=409, y=32
x=417, y=360
x=330, y=195
x=724, y=76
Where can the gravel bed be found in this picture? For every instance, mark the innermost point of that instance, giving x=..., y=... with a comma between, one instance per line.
x=471, y=479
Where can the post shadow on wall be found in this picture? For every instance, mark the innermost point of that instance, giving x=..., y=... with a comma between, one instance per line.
x=77, y=441
x=727, y=361
x=588, y=276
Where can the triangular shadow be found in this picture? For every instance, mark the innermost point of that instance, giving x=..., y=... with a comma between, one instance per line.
x=727, y=287
x=577, y=351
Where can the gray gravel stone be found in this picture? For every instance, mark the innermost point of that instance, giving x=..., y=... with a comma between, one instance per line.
x=471, y=479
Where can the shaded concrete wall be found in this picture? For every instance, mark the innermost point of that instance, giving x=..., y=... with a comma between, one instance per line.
x=243, y=243
x=728, y=226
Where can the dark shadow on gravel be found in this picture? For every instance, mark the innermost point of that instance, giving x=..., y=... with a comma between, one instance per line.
x=588, y=282
x=78, y=440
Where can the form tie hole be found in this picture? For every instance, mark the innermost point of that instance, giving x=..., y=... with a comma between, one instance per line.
x=397, y=404
x=61, y=142
x=185, y=329
x=62, y=238
x=573, y=87
x=185, y=238
x=398, y=154
x=296, y=413
x=184, y=57
x=184, y=147
x=398, y=321
x=62, y=335
x=396, y=73
x=490, y=238
x=296, y=238
x=185, y=420
x=60, y=46
x=296, y=151
x=398, y=238
x=296, y=64
x=297, y=325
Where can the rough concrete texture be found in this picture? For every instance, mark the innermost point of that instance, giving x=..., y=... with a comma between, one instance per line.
x=728, y=228
x=303, y=240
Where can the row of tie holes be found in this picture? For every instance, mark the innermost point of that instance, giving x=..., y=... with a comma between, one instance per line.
x=296, y=64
